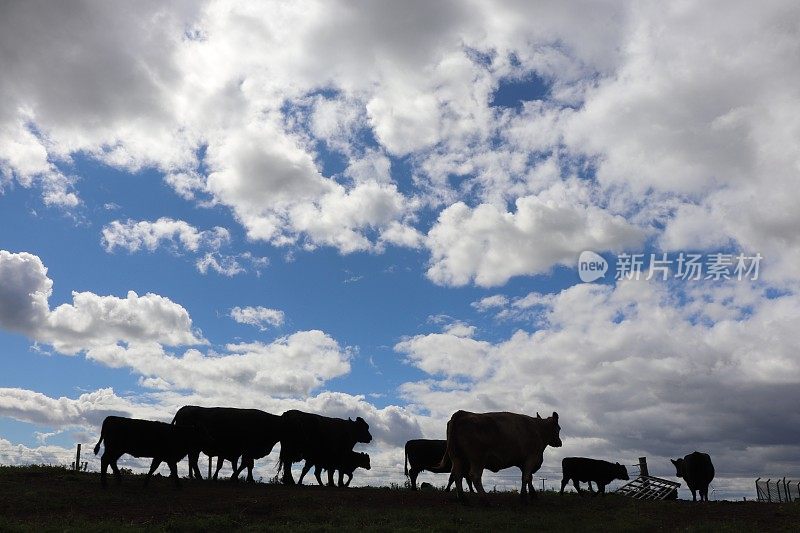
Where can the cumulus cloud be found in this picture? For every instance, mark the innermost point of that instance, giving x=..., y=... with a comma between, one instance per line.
x=702, y=128
x=261, y=317
x=134, y=235
x=179, y=236
x=488, y=245
x=90, y=320
x=87, y=411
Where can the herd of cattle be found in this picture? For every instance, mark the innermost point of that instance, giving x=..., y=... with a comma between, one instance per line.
x=475, y=442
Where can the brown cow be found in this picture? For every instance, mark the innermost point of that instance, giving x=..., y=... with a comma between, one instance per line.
x=476, y=441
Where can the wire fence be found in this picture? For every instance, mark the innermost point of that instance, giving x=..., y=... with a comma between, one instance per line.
x=777, y=490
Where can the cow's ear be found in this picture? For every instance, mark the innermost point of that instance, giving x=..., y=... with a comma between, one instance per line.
x=673, y=461
x=555, y=415
x=538, y=415
x=350, y=419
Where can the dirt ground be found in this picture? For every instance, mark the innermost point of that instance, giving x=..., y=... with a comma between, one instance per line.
x=53, y=499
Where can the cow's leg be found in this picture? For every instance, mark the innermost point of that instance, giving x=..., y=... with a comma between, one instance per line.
x=237, y=467
x=287, y=472
x=112, y=460
x=475, y=474
x=331, y=471
x=577, y=485
x=564, y=482
x=318, y=475
x=103, y=469
x=341, y=478
x=524, y=489
x=220, y=462
x=250, y=465
x=349, y=479
x=413, y=473
x=527, y=484
x=694, y=494
x=457, y=473
x=194, y=458
x=601, y=488
x=533, y=465
x=153, y=466
x=117, y=473
x=450, y=482
x=306, y=468
x=173, y=473
x=590, y=487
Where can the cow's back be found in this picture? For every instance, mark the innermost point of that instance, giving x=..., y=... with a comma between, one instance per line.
x=588, y=469
x=144, y=438
x=504, y=439
x=234, y=431
x=698, y=469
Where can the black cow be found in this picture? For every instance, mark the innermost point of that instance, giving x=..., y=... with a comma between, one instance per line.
x=249, y=434
x=322, y=440
x=579, y=469
x=144, y=438
x=352, y=461
x=426, y=454
x=698, y=472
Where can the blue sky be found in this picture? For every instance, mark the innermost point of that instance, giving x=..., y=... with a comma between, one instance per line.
x=380, y=213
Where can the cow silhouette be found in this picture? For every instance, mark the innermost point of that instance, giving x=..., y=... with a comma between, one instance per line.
x=698, y=472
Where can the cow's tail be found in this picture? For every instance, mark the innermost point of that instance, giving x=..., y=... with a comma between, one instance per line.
x=97, y=446
x=405, y=450
x=449, y=450
x=280, y=461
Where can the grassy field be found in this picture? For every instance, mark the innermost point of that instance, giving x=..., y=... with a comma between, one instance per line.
x=54, y=499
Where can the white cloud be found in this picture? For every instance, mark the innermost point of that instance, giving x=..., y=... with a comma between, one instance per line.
x=180, y=236
x=709, y=124
x=489, y=245
x=226, y=265
x=490, y=302
x=261, y=317
x=90, y=320
x=134, y=235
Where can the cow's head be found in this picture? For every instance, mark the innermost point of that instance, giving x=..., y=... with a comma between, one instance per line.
x=362, y=460
x=555, y=431
x=622, y=472
x=678, y=466
x=360, y=430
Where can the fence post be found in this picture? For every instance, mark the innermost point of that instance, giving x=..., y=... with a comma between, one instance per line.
x=643, y=467
x=769, y=496
x=78, y=459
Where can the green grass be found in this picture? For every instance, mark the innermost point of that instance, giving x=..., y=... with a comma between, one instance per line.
x=55, y=499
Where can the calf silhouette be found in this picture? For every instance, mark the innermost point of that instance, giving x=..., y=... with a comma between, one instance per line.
x=577, y=469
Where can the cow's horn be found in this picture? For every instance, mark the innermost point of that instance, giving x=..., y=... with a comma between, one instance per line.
x=538, y=415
